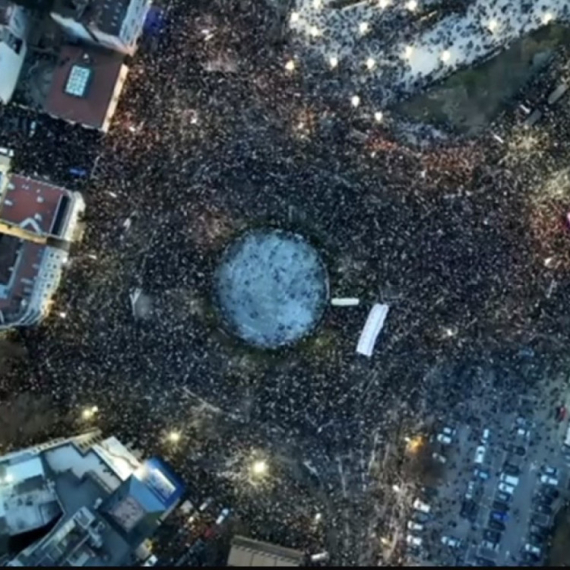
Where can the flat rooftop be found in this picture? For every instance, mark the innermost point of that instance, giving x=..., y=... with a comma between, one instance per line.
x=247, y=552
x=83, y=85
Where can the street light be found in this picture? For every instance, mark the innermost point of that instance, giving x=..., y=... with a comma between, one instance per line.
x=290, y=65
x=412, y=5
x=174, y=437
x=364, y=27
x=355, y=101
x=259, y=468
x=88, y=413
x=333, y=61
x=370, y=63
x=378, y=116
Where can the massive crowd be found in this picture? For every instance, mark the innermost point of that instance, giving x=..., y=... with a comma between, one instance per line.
x=214, y=137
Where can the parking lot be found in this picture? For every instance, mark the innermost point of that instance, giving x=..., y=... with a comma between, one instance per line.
x=501, y=485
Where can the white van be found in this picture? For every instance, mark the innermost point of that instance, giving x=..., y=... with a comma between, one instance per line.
x=509, y=479
x=480, y=455
x=421, y=506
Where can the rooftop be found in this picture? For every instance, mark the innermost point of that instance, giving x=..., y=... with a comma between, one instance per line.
x=83, y=85
x=106, y=15
x=105, y=510
x=248, y=552
x=39, y=208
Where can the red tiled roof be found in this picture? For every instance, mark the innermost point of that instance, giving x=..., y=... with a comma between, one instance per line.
x=27, y=198
x=90, y=110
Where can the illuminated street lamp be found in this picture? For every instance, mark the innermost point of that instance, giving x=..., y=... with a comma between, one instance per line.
x=384, y=3
x=259, y=468
x=317, y=4
x=547, y=18
x=412, y=5
x=295, y=17
x=174, y=437
x=493, y=25
x=355, y=101
x=370, y=63
x=333, y=62
x=290, y=65
x=89, y=413
x=408, y=52
x=364, y=27
x=62, y=314
x=378, y=116
x=446, y=56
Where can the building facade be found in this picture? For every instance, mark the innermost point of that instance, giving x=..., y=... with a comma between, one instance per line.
x=14, y=28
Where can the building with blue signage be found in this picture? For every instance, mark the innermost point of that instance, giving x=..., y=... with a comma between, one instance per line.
x=82, y=501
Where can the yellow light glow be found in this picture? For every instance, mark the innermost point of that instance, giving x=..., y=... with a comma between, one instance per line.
x=414, y=444
x=259, y=467
x=87, y=413
x=63, y=314
x=378, y=116
x=290, y=65
x=174, y=437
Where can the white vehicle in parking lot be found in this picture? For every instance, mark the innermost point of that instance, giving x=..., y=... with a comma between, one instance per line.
x=551, y=471
x=485, y=436
x=415, y=526
x=505, y=488
x=421, y=506
x=438, y=457
x=532, y=549
x=442, y=438
x=509, y=479
x=495, y=546
x=480, y=454
x=548, y=480
x=450, y=541
x=413, y=540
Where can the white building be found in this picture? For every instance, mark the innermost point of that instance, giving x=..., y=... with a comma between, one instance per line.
x=14, y=28
x=114, y=24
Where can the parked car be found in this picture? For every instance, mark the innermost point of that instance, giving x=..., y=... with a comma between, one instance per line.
x=480, y=454
x=550, y=492
x=492, y=535
x=481, y=561
x=503, y=497
x=443, y=439
x=420, y=517
x=511, y=469
x=532, y=549
x=544, y=509
x=485, y=436
x=552, y=471
x=469, y=510
x=415, y=526
x=438, y=457
x=505, y=488
x=500, y=507
x=496, y=525
x=421, y=506
x=413, y=540
x=470, y=490
x=509, y=479
x=547, y=480
x=537, y=538
x=498, y=516
x=490, y=545
x=481, y=473
x=450, y=541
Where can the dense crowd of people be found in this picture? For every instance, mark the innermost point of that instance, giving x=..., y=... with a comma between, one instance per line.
x=214, y=137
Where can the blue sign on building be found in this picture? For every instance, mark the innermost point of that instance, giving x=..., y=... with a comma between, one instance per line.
x=160, y=479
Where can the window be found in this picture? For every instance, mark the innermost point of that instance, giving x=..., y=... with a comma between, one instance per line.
x=78, y=81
